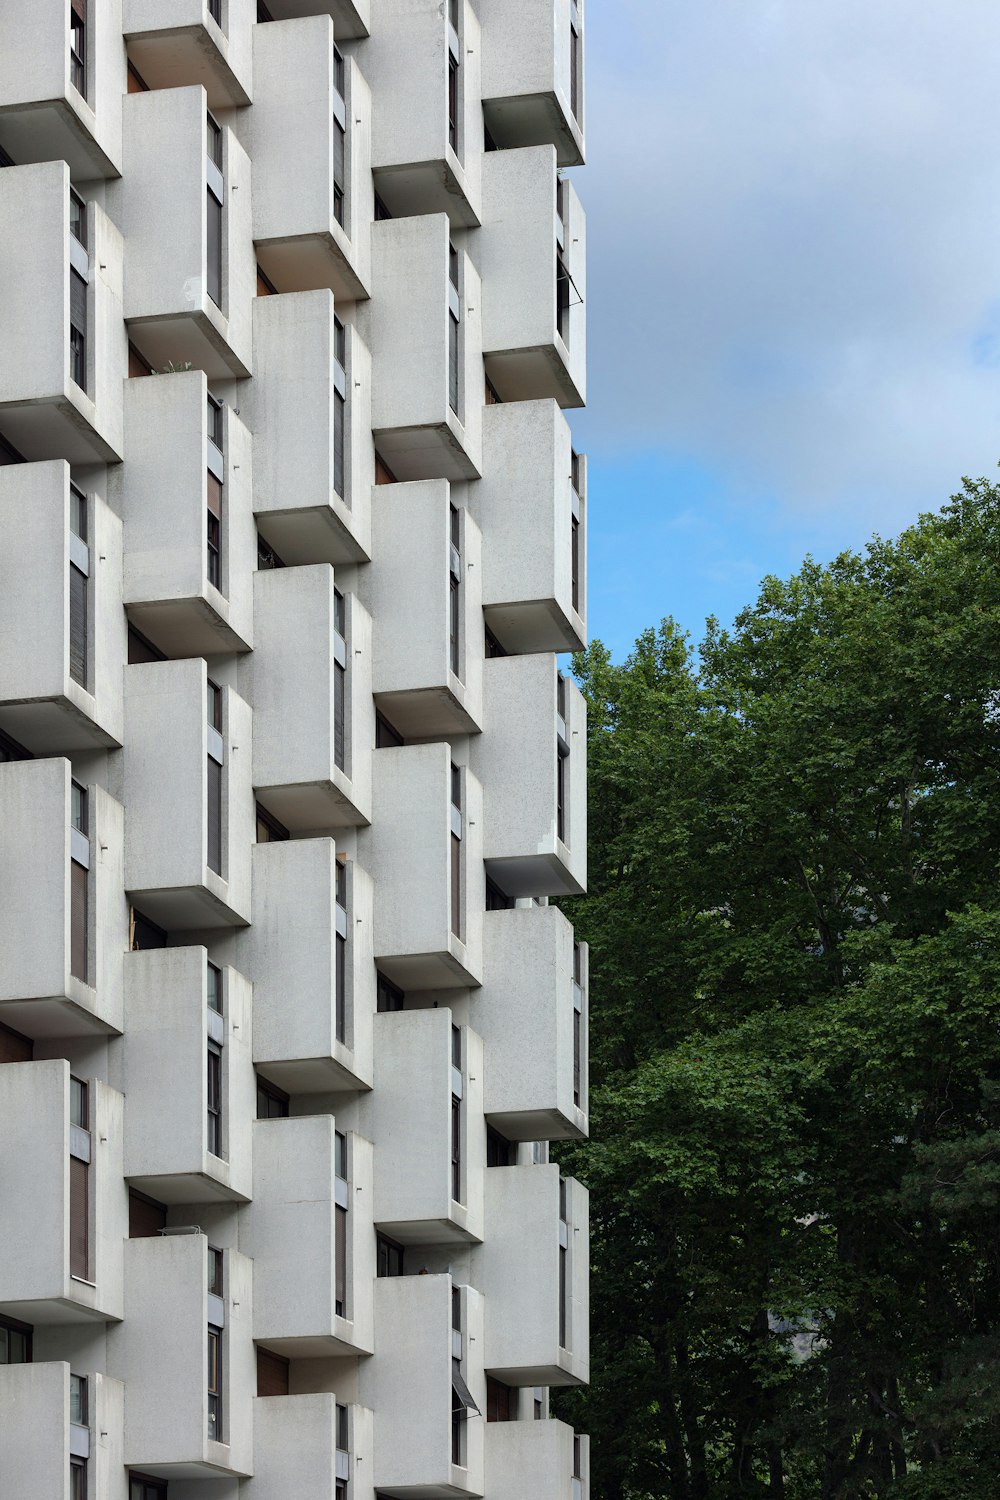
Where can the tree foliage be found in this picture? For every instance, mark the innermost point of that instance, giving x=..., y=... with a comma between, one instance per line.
x=795, y=1038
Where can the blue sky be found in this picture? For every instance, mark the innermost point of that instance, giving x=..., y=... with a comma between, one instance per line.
x=793, y=286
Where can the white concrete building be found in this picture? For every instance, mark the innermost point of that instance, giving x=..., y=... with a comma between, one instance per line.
x=291, y=309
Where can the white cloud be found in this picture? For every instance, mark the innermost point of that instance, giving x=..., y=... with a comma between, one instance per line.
x=794, y=242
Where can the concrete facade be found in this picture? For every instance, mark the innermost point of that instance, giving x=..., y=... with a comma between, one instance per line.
x=292, y=315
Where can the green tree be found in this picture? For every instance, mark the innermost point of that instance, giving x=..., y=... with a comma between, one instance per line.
x=795, y=1036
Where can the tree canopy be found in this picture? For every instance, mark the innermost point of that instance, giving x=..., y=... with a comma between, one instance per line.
x=795, y=1036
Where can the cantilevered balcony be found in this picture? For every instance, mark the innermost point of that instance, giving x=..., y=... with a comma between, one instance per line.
x=312, y=209
x=529, y=1460
x=190, y=803
x=60, y=310
x=183, y=44
x=430, y=1142
x=427, y=132
x=427, y=813
x=64, y=638
x=61, y=88
x=313, y=1435
x=351, y=18
x=425, y=322
x=533, y=75
x=532, y=1015
x=65, y=918
x=41, y=1432
x=178, y=1010
x=310, y=952
x=428, y=683
x=531, y=505
x=534, y=268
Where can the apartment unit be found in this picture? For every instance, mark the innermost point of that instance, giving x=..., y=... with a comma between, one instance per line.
x=291, y=312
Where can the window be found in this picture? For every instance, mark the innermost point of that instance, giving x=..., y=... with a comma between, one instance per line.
x=456, y=851
x=493, y=646
x=454, y=319
x=213, y=416
x=339, y=137
x=214, y=521
x=77, y=218
x=14, y=1047
x=78, y=1479
x=343, y=1443
x=138, y=364
x=272, y=1374
x=214, y=814
x=79, y=870
x=136, y=84
x=387, y=736
x=269, y=830
x=266, y=555
x=339, y=404
x=146, y=1217
x=140, y=1488
x=214, y=987
x=79, y=573
x=453, y=102
x=214, y=705
x=387, y=996
x=455, y=598
x=143, y=933
x=381, y=211
x=501, y=1402
x=575, y=59
x=492, y=396
x=456, y=1148
x=340, y=1261
x=215, y=11
x=538, y=1402
x=214, y=1096
x=340, y=955
x=562, y=757
x=78, y=328
x=389, y=1257
x=11, y=750
x=496, y=899
x=462, y=1407
x=563, y=1267
x=500, y=1152
x=15, y=1342
x=140, y=649
x=215, y=1414
x=272, y=1102
x=79, y=1179
x=215, y=1264
x=78, y=46
x=263, y=14
x=213, y=219
x=265, y=286
x=339, y=681
x=562, y=298
x=78, y=1400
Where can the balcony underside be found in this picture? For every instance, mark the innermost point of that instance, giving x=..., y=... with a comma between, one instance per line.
x=57, y=1015
x=51, y=130
x=431, y=452
x=181, y=338
x=531, y=625
x=318, y=533
x=306, y=806
x=310, y=261
x=186, y=627
x=56, y=427
x=535, y=120
x=539, y=373
x=426, y=187
x=53, y=726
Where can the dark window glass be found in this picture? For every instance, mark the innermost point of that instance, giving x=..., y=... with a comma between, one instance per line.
x=78, y=1400
x=453, y=362
x=272, y=1103
x=340, y=1155
x=15, y=1342
x=213, y=248
x=453, y=102
x=500, y=1152
x=214, y=414
x=14, y=1047
x=456, y=787
x=11, y=750
x=387, y=996
x=272, y=1374
x=341, y=984
x=338, y=71
x=214, y=986
x=77, y=1479
x=339, y=171
x=143, y=933
x=215, y=11
x=456, y=1047
x=339, y=436
x=340, y=1262
x=79, y=1215
x=78, y=328
x=269, y=830
x=78, y=45
x=575, y=49
x=454, y=624
x=78, y=512
x=215, y=1425
x=78, y=807
x=214, y=141
x=263, y=14
x=562, y=299
x=561, y=759
x=214, y=1067
x=577, y=1056
x=456, y=885
x=141, y=1488
x=77, y=217
x=215, y=1264
x=78, y=625
x=140, y=650
x=339, y=342
x=146, y=1217
x=496, y=899
x=387, y=736
x=343, y=1442
x=493, y=646
x=78, y=965
x=214, y=814
x=501, y=1402
x=563, y=1293
x=214, y=705
x=381, y=212
x=339, y=715
x=389, y=1257
x=456, y=1148
x=575, y=561
x=266, y=555
x=212, y=532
